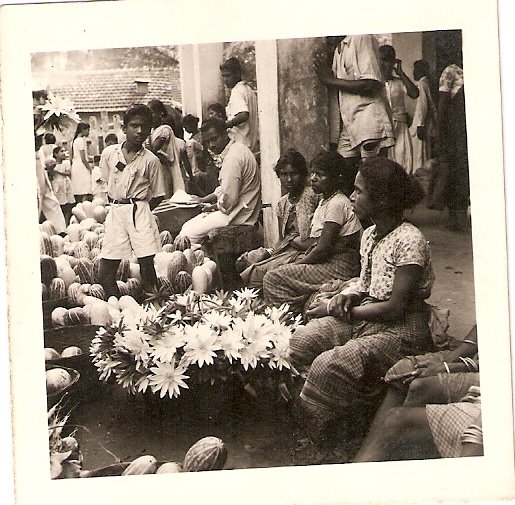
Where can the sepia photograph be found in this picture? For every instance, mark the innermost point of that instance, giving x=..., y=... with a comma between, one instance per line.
x=262, y=259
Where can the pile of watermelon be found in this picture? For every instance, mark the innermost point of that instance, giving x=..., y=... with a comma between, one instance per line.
x=70, y=267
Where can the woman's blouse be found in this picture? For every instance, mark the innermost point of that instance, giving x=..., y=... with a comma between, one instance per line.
x=300, y=214
x=405, y=245
x=335, y=209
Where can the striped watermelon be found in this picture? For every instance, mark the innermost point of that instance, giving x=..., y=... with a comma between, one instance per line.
x=76, y=316
x=122, y=288
x=177, y=263
x=45, y=244
x=94, y=253
x=73, y=231
x=73, y=291
x=164, y=284
x=95, y=273
x=199, y=256
x=166, y=237
x=168, y=248
x=191, y=259
x=57, y=245
x=97, y=290
x=209, y=453
x=84, y=269
x=181, y=243
x=47, y=227
x=182, y=282
x=48, y=269
x=57, y=289
x=90, y=238
x=134, y=286
x=122, y=274
x=81, y=250
x=100, y=242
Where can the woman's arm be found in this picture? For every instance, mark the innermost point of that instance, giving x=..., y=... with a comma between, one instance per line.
x=405, y=283
x=84, y=159
x=302, y=245
x=325, y=244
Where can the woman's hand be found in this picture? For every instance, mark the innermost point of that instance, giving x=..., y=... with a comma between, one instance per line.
x=319, y=311
x=341, y=305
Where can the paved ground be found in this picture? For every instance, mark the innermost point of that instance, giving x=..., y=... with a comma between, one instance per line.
x=453, y=266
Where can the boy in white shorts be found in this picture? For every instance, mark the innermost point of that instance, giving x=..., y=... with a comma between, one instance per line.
x=135, y=187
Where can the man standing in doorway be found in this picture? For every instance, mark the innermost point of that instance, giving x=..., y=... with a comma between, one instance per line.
x=366, y=128
x=242, y=119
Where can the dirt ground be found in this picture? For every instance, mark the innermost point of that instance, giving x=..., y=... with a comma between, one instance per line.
x=256, y=433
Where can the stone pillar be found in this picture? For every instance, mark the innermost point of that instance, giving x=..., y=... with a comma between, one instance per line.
x=293, y=111
x=201, y=82
x=303, y=102
x=269, y=134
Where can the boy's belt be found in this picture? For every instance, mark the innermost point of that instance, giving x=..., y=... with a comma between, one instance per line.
x=127, y=201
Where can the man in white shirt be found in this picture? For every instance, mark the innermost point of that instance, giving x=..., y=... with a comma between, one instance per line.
x=242, y=119
x=237, y=200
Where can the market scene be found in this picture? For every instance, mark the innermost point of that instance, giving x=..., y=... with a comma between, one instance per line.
x=256, y=254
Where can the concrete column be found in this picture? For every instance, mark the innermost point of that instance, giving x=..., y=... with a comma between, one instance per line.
x=201, y=82
x=269, y=135
x=303, y=100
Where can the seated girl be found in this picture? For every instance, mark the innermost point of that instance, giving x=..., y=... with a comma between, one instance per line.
x=294, y=210
x=358, y=335
x=332, y=249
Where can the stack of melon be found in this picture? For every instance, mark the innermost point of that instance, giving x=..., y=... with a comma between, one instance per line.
x=178, y=267
x=96, y=311
x=207, y=454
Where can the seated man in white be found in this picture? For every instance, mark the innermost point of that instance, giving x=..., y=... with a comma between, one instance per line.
x=237, y=199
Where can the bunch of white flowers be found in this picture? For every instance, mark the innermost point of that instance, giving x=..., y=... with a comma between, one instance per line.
x=197, y=338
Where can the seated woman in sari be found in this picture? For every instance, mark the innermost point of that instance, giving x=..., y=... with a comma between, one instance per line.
x=294, y=210
x=419, y=387
x=358, y=335
x=334, y=239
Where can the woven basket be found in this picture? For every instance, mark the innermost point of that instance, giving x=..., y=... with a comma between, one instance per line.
x=80, y=336
x=49, y=306
x=54, y=398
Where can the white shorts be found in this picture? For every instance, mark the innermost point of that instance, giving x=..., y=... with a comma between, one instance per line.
x=198, y=227
x=367, y=149
x=122, y=238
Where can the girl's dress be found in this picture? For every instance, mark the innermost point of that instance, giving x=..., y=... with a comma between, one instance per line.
x=62, y=184
x=81, y=176
x=426, y=116
x=99, y=187
x=401, y=152
x=294, y=283
x=172, y=169
x=348, y=359
x=296, y=222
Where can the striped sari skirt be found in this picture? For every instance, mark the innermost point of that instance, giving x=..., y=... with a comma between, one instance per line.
x=349, y=360
x=294, y=283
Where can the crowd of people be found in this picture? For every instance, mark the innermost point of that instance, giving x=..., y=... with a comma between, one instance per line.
x=347, y=259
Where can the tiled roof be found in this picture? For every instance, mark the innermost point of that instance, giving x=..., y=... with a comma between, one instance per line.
x=113, y=90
